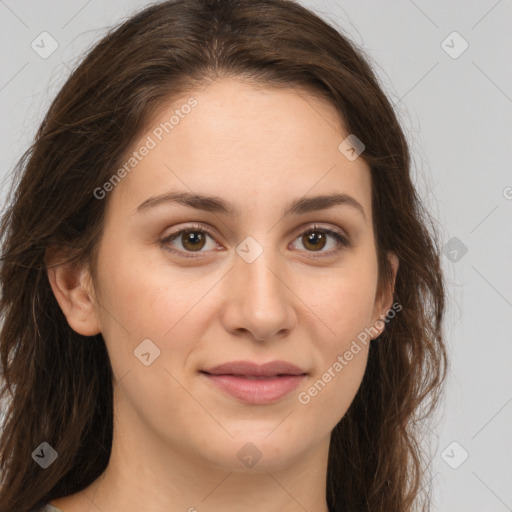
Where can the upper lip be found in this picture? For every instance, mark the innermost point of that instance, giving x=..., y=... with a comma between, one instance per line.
x=251, y=368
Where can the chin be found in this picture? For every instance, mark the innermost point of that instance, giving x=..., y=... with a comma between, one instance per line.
x=256, y=453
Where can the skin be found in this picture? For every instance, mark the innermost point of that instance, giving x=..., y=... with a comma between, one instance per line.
x=176, y=436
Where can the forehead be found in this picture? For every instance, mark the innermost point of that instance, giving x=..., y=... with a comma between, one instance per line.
x=252, y=145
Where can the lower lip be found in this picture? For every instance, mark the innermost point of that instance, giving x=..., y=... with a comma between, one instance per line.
x=257, y=391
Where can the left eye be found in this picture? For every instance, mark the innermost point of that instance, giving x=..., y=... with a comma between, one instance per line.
x=317, y=238
x=194, y=239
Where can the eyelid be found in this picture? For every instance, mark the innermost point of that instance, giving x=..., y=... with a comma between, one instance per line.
x=338, y=234
x=342, y=239
x=193, y=227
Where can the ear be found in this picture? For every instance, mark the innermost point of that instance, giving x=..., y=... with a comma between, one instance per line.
x=384, y=300
x=73, y=290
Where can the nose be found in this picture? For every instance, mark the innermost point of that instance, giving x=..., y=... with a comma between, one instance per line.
x=259, y=299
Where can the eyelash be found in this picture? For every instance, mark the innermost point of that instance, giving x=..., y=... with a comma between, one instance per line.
x=342, y=240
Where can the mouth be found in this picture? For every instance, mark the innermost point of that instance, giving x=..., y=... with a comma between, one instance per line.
x=256, y=384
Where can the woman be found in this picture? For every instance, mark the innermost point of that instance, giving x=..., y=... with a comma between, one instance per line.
x=219, y=289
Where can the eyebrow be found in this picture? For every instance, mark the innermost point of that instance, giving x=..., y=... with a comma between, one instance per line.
x=217, y=205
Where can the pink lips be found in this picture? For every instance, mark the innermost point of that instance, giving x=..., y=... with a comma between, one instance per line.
x=256, y=384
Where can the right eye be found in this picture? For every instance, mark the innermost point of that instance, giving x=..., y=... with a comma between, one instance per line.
x=191, y=239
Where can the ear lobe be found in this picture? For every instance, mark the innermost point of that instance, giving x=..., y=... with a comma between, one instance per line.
x=384, y=301
x=72, y=287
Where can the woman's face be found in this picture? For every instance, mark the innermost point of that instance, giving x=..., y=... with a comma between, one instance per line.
x=247, y=283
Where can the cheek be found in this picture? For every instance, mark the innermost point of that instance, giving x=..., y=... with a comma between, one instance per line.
x=342, y=303
x=142, y=299
x=329, y=394
x=141, y=296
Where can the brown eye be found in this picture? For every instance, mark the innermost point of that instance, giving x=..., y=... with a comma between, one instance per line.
x=193, y=240
x=314, y=240
x=188, y=241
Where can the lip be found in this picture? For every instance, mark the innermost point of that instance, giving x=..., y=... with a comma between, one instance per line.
x=254, y=383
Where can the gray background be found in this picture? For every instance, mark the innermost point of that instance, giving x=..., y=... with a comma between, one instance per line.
x=457, y=114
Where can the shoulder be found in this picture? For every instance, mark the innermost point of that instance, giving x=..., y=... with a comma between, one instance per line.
x=47, y=508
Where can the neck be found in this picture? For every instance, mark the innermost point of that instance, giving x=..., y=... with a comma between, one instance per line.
x=156, y=477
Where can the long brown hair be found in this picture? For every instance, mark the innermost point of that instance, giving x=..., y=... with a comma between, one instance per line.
x=58, y=385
